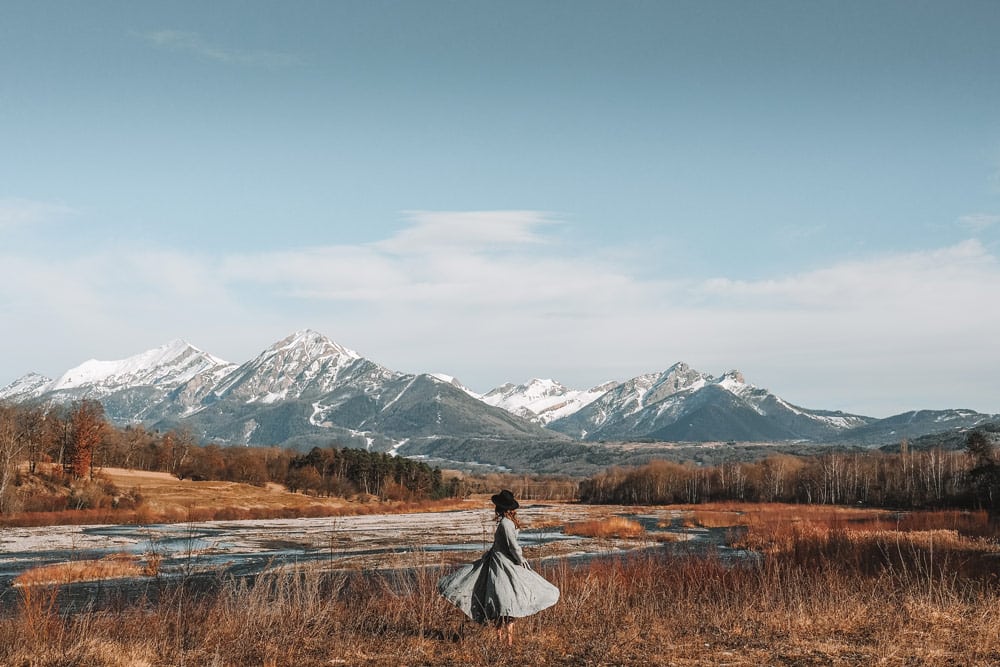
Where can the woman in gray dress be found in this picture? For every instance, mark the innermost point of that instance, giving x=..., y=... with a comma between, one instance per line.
x=500, y=587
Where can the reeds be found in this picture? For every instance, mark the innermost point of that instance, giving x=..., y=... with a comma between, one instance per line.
x=830, y=588
x=615, y=526
x=113, y=566
x=639, y=610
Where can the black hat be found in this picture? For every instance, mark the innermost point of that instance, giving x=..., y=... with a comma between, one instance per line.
x=505, y=501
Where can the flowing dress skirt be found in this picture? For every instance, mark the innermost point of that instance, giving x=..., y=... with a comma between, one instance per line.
x=495, y=587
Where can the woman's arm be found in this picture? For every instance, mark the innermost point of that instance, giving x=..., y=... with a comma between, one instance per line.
x=511, y=534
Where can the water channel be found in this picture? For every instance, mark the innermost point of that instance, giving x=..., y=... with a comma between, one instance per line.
x=213, y=551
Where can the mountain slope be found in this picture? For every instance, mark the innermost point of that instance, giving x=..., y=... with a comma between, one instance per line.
x=307, y=390
x=25, y=388
x=543, y=401
x=304, y=390
x=914, y=424
x=132, y=388
x=684, y=404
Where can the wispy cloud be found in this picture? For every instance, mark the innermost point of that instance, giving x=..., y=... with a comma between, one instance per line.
x=195, y=44
x=907, y=329
x=433, y=231
x=16, y=212
x=977, y=222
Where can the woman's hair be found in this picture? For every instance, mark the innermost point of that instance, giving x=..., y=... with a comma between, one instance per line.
x=510, y=514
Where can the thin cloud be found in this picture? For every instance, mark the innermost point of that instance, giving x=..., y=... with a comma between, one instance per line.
x=15, y=212
x=978, y=222
x=195, y=44
x=456, y=259
x=911, y=329
x=881, y=281
x=433, y=231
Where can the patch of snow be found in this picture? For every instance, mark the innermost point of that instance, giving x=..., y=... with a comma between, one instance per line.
x=400, y=394
x=542, y=400
x=273, y=396
x=395, y=448
x=171, y=364
x=734, y=383
x=31, y=385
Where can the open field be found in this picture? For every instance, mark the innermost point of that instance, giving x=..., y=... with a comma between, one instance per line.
x=645, y=611
x=166, y=499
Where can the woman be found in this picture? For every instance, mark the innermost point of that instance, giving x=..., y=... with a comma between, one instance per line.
x=500, y=587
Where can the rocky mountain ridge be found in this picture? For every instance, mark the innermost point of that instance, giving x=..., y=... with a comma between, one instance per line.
x=306, y=390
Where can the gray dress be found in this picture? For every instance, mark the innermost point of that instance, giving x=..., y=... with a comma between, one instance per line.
x=500, y=584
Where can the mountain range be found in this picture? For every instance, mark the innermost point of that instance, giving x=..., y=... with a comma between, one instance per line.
x=307, y=390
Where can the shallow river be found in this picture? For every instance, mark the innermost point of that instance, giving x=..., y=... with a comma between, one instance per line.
x=395, y=541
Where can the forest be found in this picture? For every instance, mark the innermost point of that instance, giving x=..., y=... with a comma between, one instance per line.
x=76, y=440
x=935, y=478
x=50, y=460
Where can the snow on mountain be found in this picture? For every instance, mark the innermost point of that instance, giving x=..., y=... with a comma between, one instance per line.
x=682, y=403
x=766, y=404
x=635, y=395
x=455, y=382
x=307, y=389
x=167, y=366
x=25, y=387
x=306, y=362
x=543, y=401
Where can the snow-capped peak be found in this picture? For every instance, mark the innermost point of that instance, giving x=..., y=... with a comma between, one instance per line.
x=542, y=400
x=26, y=386
x=679, y=377
x=170, y=364
x=733, y=381
x=304, y=361
x=312, y=343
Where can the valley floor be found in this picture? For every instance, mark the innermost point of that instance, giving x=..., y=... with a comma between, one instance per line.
x=815, y=585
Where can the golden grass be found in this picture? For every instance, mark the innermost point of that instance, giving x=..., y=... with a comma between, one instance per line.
x=618, y=611
x=615, y=526
x=167, y=499
x=114, y=566
x=834, y=586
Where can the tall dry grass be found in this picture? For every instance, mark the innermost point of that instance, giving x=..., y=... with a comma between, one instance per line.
x=113, y=566
x=640, y=610
x=614, y=526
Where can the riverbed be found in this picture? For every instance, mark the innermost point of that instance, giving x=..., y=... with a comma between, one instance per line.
x=358, y=543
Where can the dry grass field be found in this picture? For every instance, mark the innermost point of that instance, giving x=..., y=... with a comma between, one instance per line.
x=166, y=499
x=834, y=587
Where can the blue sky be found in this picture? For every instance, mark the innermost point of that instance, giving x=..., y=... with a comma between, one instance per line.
x=806, y=191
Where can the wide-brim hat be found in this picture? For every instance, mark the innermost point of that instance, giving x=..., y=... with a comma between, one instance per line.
x=505, y=501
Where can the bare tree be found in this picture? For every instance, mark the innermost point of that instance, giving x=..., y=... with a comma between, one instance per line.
x=11, y=453
x=88, y=426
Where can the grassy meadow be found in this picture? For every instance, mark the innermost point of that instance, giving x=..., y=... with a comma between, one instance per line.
x=834, y=586
x=167, y=499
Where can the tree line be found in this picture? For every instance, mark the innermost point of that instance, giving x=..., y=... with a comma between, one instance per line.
x=76, y=440
x=907, y=479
